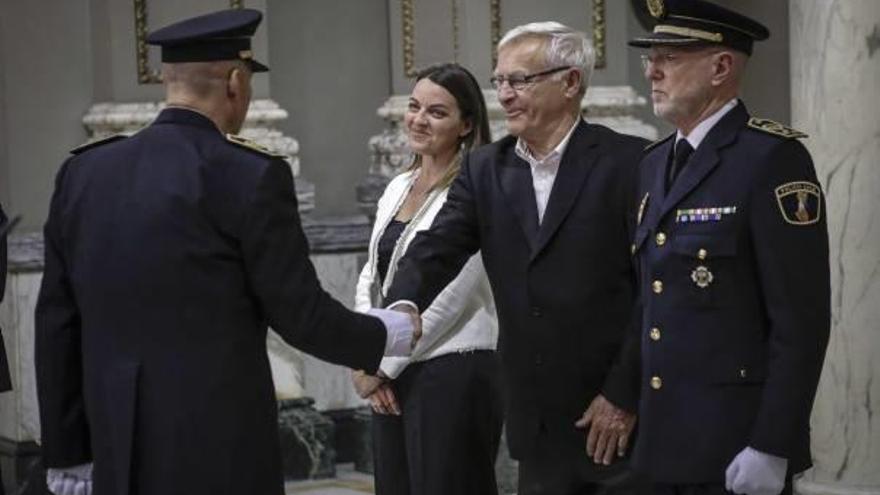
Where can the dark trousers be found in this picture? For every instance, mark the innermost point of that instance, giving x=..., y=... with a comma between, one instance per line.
x=547, y=471
x=446, y=440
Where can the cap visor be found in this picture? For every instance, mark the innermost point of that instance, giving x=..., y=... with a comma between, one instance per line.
x=663, y=39
x=257, y=66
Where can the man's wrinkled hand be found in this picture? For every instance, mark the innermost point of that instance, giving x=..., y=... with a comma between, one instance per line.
x=365, y=385
x=610, y=430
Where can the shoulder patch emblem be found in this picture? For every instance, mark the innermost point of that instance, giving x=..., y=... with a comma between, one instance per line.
x=657, y=142
x=800, y=202
x=775, y=128
x=98, y=142
x=251, y=145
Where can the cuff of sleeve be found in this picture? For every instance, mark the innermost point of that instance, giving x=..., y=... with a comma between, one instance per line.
x=392, y=367
x=404, y=302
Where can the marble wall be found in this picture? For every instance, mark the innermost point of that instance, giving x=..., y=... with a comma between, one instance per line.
x=835, y=77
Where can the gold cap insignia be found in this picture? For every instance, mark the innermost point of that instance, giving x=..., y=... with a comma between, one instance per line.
x=800, y=202
x=245, y=54
x=656, y=8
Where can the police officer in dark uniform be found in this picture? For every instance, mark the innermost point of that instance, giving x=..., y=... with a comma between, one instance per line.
x=167, y=255
x=732, y=253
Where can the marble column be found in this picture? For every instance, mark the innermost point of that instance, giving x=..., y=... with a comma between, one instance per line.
x=835, y=64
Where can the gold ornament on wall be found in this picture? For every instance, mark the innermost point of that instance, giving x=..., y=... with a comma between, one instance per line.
x=146, y=74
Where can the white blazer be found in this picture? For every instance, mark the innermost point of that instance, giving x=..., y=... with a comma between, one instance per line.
x=461, y=318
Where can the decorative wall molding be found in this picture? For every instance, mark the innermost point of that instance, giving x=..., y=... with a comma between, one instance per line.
x=599, y=27
x=146, y=74
x=408, y=25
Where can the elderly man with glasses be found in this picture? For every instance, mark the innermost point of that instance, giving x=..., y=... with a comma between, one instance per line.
x=550, y=208
x=732, y=254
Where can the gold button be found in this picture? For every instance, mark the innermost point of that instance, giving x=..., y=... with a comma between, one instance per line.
x=632, y=248
x=661, y=238
x=655, y=334
x=657, y=286
x=742, y=373
x=656, y=382
x=702, y=253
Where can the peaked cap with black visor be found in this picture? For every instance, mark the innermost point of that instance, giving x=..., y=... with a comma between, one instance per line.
x=695, y=22
x=223, y=35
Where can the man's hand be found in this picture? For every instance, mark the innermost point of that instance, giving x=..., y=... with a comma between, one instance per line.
x=753, y=472
x=365, y=384
x=76, y=480
x=416, y=320
x=610, y=429
x=383, y=400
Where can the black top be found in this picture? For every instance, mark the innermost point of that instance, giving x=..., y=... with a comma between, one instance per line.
x=386, y=245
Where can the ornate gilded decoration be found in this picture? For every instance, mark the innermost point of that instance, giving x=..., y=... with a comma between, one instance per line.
x=775, y=128
x=495, y=27
x=599, y=32
x=147, y=75
x=407, y=16
x=656, y=8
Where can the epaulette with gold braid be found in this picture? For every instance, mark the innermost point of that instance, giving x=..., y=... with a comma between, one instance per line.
x=251, y=145
x=98, y=142
x=775, y=128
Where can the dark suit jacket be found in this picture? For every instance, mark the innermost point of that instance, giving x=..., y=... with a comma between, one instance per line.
x=563, y=291
x=5, y=379
x=737, y=359
x=167, y=255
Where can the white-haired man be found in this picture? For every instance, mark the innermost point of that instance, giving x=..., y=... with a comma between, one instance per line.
x=547, y=207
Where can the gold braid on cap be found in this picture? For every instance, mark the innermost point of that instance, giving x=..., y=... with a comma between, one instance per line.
x=688, y=32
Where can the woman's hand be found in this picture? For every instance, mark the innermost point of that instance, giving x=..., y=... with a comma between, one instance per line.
x=383, y=400
x=365, y=384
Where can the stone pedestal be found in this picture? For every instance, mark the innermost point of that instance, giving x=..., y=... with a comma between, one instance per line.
x=612, y=106
x=307, y=442
x=106, y=119
x=835, y=50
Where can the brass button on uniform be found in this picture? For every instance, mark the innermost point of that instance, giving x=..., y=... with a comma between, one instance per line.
x=655, y=334
x=742, y=373
x=702, y=253
x=632, y=248
x=661, y=238
x=657, y=286
x=656, y=382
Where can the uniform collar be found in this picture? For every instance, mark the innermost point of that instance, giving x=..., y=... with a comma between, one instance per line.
x=186, y=116
x=702, y=129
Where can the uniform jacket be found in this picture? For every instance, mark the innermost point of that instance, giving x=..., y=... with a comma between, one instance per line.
x=5, y=379
x=735, y=295
x=167, y=255
x=461, y=318
x=563, y=291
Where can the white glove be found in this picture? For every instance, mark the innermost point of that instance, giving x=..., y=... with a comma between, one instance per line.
x=399, y=328
x=76, y=480
x=755, y=473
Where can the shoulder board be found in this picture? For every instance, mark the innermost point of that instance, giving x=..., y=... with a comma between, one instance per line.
x=775, y=128
x=98, y=142
x=657, y=142
x=251, y=145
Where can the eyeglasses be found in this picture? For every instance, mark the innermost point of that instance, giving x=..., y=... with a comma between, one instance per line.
x=664, y=60
x=518, y=82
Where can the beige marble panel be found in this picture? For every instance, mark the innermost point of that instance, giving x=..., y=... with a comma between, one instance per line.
x=835, y=47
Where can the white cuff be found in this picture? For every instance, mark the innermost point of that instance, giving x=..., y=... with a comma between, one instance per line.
x=399, y=331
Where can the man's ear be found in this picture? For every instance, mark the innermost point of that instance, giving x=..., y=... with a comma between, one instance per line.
x=722, y=67
x=235, y=82
x=572, y=80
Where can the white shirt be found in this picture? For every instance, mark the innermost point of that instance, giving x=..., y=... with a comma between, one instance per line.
x=702, y=129
x=544, y=169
